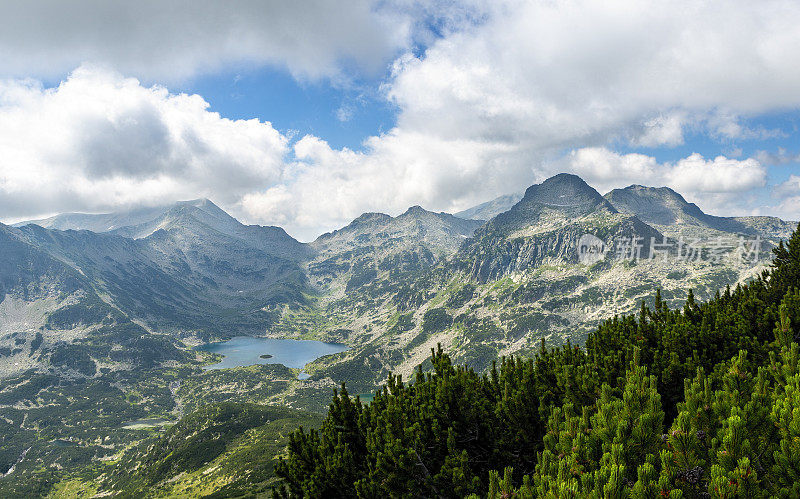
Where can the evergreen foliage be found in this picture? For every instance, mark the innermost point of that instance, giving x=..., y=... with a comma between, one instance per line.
x=696, y=402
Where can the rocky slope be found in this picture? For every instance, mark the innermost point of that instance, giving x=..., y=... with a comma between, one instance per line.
x=376, y=245
x=55, y=319
x=516, y=281
x=547, y=224
x=189, y=270
x=670, y=212
x=192, y=271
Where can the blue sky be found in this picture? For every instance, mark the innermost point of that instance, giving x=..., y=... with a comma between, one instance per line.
x=785, y=138
x=306, y=116
x=343, y=114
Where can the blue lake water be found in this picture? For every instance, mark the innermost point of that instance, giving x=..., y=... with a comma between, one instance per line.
x=248, y=351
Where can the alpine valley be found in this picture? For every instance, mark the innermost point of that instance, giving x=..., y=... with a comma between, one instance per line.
x=103, y=390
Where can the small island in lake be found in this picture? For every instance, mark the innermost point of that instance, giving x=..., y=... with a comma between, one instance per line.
x=248, y=351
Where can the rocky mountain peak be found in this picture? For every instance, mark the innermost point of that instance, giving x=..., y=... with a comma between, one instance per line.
x=664, y=207
x=141, y=221
x=563, y=190
x=658, y=205
x=565, y=195
x=364, y=220
x=492, y=208
x=416, y=211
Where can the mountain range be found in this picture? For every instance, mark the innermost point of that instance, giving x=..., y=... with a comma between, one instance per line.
x=191, y=272
x=100, y=313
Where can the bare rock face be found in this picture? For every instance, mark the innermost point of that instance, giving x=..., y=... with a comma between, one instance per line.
x=378, y=244
x=547, y=223
x=670, y=212
x=141, y=279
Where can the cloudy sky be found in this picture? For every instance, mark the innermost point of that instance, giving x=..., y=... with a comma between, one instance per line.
x=306, y=114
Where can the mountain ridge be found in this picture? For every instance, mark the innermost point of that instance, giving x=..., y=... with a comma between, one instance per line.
x=547, y=223
x=191, y=269
x=99, y=326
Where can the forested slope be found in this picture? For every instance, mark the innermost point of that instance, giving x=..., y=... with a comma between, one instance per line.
x=700, y=401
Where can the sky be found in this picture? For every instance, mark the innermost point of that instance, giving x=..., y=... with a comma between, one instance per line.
x=307, y=114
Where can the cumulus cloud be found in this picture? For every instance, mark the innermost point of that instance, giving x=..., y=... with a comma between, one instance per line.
x=715, y=184
x=789, y=194
x=578, y=71
x=329, y=187
x=99, y=141
x=503, y=95
x=720, y=175
x=532, y=79
x=490, y=108
x=165, y=41
x=779, y=157
x=662, y=130
x=326, y=187
x=789, y=188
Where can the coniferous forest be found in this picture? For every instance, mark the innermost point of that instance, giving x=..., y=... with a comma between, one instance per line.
x=703, y=401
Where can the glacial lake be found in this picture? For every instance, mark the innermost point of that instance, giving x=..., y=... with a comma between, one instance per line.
x=248, y=351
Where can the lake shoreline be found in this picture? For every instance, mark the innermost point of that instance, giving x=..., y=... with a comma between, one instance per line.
x=242, y=351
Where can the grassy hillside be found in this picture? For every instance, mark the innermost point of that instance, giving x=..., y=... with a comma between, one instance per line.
x=221, y=450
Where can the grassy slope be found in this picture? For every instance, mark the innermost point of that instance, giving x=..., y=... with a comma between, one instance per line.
x=221, y=450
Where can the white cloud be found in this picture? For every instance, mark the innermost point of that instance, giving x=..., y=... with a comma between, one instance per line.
x=789, y=188
x=720, y=175
x=577, y=71
x=165, y=41
x=327, y=188
x=779, y=157
x=344, y=113
x=606, y=170
x=662, y=130
x=490, y=107
x=715, y=184
x=99, y=141
x=508, y=95
x=789, y=209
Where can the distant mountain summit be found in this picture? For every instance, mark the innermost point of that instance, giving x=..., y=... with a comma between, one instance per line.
x=546, y=224
x=190, y=270
x=670, y=212
x=490, y=209
x=564, y=190
x=439, y=232
x=187, y=223
x=178, y=268
x=565, y=194
x=124, y=222
x=181, y=214
x=376, y=243
x=138, y=223
x=658, y=205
